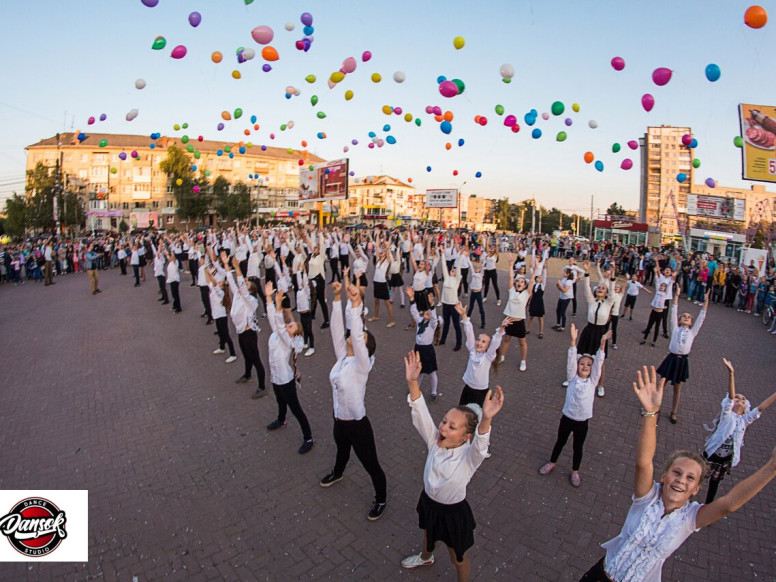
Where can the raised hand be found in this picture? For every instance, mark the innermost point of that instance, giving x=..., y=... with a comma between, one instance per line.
x=728, y=364
x=410, y=293
x=605, y=337
x=493, y=403
x=412, y=366
x=268, y=289
x=648, y=389
x=337, y=288
x=573, y=333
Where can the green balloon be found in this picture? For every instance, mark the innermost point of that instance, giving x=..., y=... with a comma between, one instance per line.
x=616, y=147
x=189, y=148
x=738, y=141
x=507, y=81
x=321, y=115
x=207, y=172
x=283, y=127
x=499, y=110
x=103, y=143
x=184, y=139
x=558, y=108
x=185, y=126
x=696, y=163
x=311, y=167
x=561, y=136
x=239, y=50
x=227, y=149
x=314, y=100
x=460, y=85
x=159, y=43
x=310, y=78
x=197, y=154
x=417, y=121
x=237, y=113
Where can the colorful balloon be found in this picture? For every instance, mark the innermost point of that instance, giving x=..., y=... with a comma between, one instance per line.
x=150, y=3
x=376, y=77
x=123, y=156
x=313, y=100
x=348, y=95
x=738, y=141
x=446, y=127
x=693, y=144
x=618, y=63
x=269, y=53
x=399, y=77
x=194, y=19
x=289, y=25
x=306, y=18
x=557, y=108
x=575, y=107
x=216, y=57
x=510, y=120
x=647, y=102
x=140, y=84
x=711, y=183
x=599, y=165
x=337, y=76
x=536, y=133
x=178, y=52
x=568, y=121
x=507, y=71
x=499, y=110
x=696, y=163
x=310, y=78
x=616, y=147
x=321, y=115
x=263, y=34
x=661, y=76
x=478, y=175
x=592, y=124
x=755, y=17
x=626, y=164
x=103, y=143
x=561, y=136
x=633, y=144
x=236, y=74
x=131, y=114
x=589, y=157
x=266, y=67
x=349, y=65
x=545, y=116
x=448, y=89
x=713, y=72
x=458, y=42
x=681, y=177
x=365, y=56
x=90, y=121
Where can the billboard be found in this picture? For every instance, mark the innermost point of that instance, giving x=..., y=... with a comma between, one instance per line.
x=758, y=135
x=716, y=207
x=326, y=181
x=441, y=198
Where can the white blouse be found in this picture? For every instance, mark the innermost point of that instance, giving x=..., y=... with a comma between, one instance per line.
x=730, y=425
x=477, y=374
x=516, y=304
x=682, y=338
x=349, y=375
x=580, y=393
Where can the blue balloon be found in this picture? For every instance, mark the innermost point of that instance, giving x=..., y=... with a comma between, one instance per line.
x=220, y=153
x=372, y=134
x=152, y=145
x=428, y=168
x=320, y=135
x=599, y=165
x=242, y=149
x=231, y=154
x=478, y=175
x=288, y=95
x=681, y=177
x=693, y=143
x=536, y=133
x=713, y=72
x=441, y=79
x=308, y=30
x=460, y=142
x=193, y=168
x=81, y=136
x=253, y=119
x=250, y=176
x=446, y=127
x=390, y=139
x=529, y=119
x=386, y=127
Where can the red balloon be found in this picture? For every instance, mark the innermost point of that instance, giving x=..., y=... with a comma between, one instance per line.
x=455, y=172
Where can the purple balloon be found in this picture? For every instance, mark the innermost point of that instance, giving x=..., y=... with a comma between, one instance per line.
x=661, y=76
x=194, y=19
x=618, y=63
x=568, y=121
x=123, y=156
x=307, y=19
x=686, y=139
x=711, y=183
x=647, y=102
x=626, y=164
x=354, y=142
x=150, y=3
x=220, y=126
x=264, y=148
x=352, y=173
x=103, y=117
x=266, y=67
x=633, y=144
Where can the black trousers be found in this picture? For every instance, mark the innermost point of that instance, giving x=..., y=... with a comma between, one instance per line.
x=560, y=311
x=194, y=269
x=574, y=300
x=286, y=396
x=358, y=435
x=176, y=298
x=448, y=312
x=655, y=317
x=491, y=275
x=222, y=326
x=307, y=328
x=597, y=573
x=249, y=346
x=334, y=264
x=123, y=266
x=318, y=297
x=344, y=262
x=405, y=259
x=615, y=321
x=476, y=297
x=163, y=288
x=136, y=272
x=464, y=282
x=204, y=293
x=566, y=427
x=664, y=321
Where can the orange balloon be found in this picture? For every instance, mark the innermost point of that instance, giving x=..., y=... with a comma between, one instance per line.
x=448, y=146
x=589, y=157
x=226, y=116
x=256, y=126
x=439, y=118
x=247, y=132
x=241, y=144
x=304, y=144
x=216, y=57
x=755, y=17
x=409, y=180
x=448, y=115
x=268, y=53
x=476, y=119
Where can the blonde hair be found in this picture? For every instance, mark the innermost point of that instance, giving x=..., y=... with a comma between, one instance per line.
x=686, y=455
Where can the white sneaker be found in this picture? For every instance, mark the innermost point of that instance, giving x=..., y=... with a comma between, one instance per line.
x=600, y=391
x=565, y=384
x=498, y=302
x=500, y=359
x=484, y=299
x=231, y=359
x=219, y=351
x=522, y=365
x=310, y=352
x=416, y=560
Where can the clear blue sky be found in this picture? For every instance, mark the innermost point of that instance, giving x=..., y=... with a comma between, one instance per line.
x=67, y=61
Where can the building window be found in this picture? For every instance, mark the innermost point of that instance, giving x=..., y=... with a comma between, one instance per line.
x=169, y=204
x=170, y=219
x=155, y=204
x=125, y=205
x=139, y=204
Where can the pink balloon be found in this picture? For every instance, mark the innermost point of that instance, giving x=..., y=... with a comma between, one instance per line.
x=371, y=145
x=178, y=52
x=437, y=110
x=397, y=110
x=618, y=63
x=263, y=34
x=345, y=149
x=429, y=109
x=90, y=121
x=661, y=76
x=366, y=56
x=448, y=89
x=647, y=102
x=271, y=136
x=545, y=116
x=196, y=189
x=349, y=65
x=633, y=144
x=626, y=164
x=686, y=139
x=330, y=83
x=509, y=120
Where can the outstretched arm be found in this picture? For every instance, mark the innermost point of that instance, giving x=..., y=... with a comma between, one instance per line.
x=650, y=393
x=493, y=403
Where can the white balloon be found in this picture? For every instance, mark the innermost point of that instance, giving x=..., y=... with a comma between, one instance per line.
x=507, y=71
x=592, y=124
x=290, y=125
x=248, y=54
x=289, y=26
x=399, y=77
x=140, y=84
x=132, y=114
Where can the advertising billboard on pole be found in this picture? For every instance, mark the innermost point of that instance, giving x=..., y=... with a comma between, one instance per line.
x=326, y=181
x=758, y=142
x=716, y=206
x=442, y=198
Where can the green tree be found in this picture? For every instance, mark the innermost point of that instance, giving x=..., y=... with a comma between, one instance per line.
x=123, y=226
x=615, y=210
x=241, y=201
x=221, y=196
x=177, y=166
x=16, y=215
x=40, y=189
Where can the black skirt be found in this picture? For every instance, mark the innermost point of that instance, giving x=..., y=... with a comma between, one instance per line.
x=396, y=280
x=451, y=524
x=516, y=329
x=590, y=339
x=381, y=291
x=536, y=306
x=421, y=300
x=675, y=368
x=427, y=358
x=143, y=261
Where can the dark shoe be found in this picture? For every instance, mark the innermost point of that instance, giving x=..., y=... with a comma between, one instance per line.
x=203, y=315
x=306, y=447
x=165, y=302
x=457, y=349
x=673, y=418
x=482, y=326
x=259, y=394
x=160, y=299
x=330, y=479
x=209, y=322
x=433, y=398
x=630, y=319
x=242, y=380
x=441, y=343
x=642, y=342
x=652, y=344
x=541, y=335
x=276, y=424
x=376, y=512
x=325, y=325
x=665, y=335
x=177, y=310
x=136, y=284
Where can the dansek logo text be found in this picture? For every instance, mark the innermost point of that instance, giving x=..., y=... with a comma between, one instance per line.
x=34, y=526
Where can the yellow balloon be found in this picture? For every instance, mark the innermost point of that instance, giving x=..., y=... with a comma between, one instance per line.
x=458, y=42
x=575, y=107
x=348, y=95
x=376, y=77
x=310, y=78
x=387, y=109
x=408, y=117
x=337, y=76
x=236, y=74
x=179, y=181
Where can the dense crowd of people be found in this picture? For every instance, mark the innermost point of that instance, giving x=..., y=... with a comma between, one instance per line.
x=245, y=275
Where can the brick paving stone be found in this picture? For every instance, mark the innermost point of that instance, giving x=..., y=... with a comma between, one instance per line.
x=118, y=395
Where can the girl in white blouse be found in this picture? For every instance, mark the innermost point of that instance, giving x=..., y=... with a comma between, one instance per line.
x=519, y=296
x=456, y=449
x=662, y=514
x=427, y=324
x=723, y=447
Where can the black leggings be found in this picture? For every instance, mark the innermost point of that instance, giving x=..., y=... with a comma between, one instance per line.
x=204, y=293
x=358, y=435
x=464, y=281
x=574, y=299
x=334, y=264
x=176, y=298
x=307, y=327
x=249, y=346
x=448, y=312
x=665, y=318
x=319, y=297
x=615, y=321
x=287, y=398
x=491, y=275
x=222, y=327
x=163, y=288
x=566, y=427
x=655, y=317
x=597, y=573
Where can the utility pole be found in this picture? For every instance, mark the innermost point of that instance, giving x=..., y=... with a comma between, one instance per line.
x=590, y=236
x=540, y=222
x=533, y=215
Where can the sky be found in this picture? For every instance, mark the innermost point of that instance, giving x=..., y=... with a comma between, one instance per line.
x=67, y=61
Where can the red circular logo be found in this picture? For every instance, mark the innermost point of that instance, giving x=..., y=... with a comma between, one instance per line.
x=34, y=526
